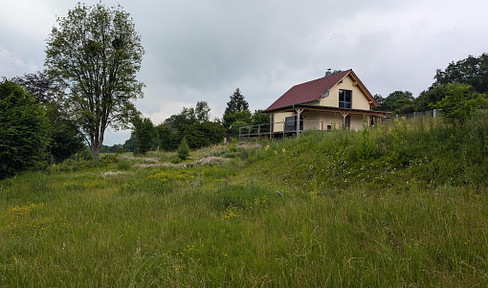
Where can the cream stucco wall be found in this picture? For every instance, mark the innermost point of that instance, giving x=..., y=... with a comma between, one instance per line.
x=279, y=120
x=314, y=120
x=359, y=100
x=358, y=122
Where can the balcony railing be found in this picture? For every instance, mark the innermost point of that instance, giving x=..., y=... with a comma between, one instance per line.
x=280, y=129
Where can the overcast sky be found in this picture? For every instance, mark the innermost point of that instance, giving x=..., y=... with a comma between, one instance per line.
x=202, y=50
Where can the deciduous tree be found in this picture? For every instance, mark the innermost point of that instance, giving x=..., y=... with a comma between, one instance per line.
x=43, y=89
x=472, y=71
x=429, y=98
x=398, y=100
x=258, y=117
x=65, y=137
x=460, y=103
x=202, y=111
x=94, y=53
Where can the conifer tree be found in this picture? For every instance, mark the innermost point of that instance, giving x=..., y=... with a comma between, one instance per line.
x=235, y=107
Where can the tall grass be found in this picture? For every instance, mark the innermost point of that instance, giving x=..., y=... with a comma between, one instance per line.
x=421, y=152
x=403, y=205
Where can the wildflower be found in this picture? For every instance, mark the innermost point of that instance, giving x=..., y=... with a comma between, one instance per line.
x=403, y=117
x=266, y=148
x=283, y=150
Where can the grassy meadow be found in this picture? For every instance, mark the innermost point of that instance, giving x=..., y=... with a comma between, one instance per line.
x=401, y=205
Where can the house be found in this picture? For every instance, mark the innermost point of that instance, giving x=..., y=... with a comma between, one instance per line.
x=337, y=100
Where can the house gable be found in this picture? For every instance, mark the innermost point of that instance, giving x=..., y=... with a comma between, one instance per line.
x=325, y=92
x=359, y=99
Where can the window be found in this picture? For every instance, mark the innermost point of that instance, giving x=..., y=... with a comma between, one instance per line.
x=345, y=98
x=291, y=124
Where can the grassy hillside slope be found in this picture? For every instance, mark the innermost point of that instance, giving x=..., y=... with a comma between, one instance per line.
x=401, y=205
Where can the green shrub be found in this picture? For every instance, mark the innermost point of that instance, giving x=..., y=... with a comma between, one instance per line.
x=204, y=134
x=23, y=130
x=183, y=150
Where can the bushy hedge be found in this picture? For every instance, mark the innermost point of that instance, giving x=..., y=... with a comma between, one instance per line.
x=204, y=134
x=23, y=130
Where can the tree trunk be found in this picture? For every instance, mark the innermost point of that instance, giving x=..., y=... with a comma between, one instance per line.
x=95, y=149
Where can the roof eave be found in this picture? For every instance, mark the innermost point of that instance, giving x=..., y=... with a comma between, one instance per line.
x=316, y=107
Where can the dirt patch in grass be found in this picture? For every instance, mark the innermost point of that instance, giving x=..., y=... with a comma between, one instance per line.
x=153, y=159
x=203, y=161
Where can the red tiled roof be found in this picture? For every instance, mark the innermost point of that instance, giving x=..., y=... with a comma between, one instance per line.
x=308, y=91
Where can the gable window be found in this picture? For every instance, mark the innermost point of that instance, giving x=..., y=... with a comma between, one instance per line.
x=345, y=98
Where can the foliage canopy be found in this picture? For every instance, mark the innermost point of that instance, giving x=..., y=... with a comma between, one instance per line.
x=460, y=103
x=145, y=135
x=23, y=130
x=472, y=71
x=94, y=53
x=65, y=138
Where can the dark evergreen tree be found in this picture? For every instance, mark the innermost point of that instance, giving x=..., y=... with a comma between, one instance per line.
x=236, y=104
x=183, y=150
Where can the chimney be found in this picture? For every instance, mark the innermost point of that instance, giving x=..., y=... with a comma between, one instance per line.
x=328, y=73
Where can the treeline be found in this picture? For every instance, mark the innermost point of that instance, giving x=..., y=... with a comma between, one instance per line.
x=194, y=125
x=36, y=131
x=461, y=81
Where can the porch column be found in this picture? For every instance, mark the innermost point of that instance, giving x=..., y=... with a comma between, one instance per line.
x=270, y=125
x=344, y=115
x=299, y=111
